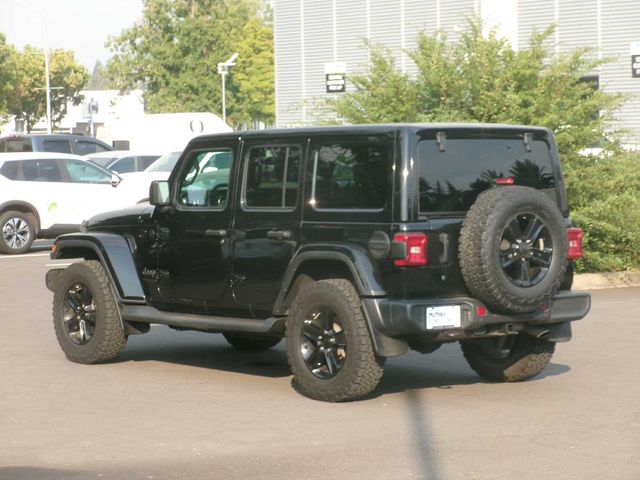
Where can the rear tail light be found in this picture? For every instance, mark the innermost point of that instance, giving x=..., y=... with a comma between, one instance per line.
x=575, y=243
x=505, y=181
x=415, y=249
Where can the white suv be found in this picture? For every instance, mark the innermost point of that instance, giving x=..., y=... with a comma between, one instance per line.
x=45, y=194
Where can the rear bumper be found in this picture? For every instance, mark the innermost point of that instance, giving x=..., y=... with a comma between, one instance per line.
x=398, y=318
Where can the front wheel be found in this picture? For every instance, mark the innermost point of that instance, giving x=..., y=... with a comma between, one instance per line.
x=17, y=232
x=508, y=359
x=85, y=315
x=328, y=343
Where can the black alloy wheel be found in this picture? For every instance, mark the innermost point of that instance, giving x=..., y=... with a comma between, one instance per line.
x=526, y=250
x=79, y=314
x=323, y=343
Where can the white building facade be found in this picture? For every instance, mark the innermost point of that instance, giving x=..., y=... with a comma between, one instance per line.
x=320, y=42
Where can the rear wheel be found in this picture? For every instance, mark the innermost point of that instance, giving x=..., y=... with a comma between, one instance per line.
x=85, y=315
x=248, y=342
x=17, y=232
x=508, y=359
x=328, y=343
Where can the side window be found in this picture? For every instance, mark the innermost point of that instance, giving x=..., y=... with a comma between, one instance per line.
x=205, y=181
x=83, y=148
x=271, y=177
x=124, y=165
x=352, y=176
x=84, y=172
x=47, y=170
x=9, y=170
x=58, y=146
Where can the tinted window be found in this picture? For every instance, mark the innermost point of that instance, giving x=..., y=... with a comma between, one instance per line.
x=205, y=182
x=102, y=161
x=352, y=176
x=451, y=180
x=124, y=165
x=272, y=177
x=59, y=146
x=41, y=170
x=83, y=147
x=15, y=145
x=84, y=172
x=9, y=170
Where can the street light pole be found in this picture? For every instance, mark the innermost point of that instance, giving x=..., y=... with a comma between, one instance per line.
x=223, y=70
x=46, y=59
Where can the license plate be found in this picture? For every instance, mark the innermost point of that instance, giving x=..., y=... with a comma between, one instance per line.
x=443, y=317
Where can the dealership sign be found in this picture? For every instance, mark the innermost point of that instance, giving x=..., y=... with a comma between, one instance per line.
x=635, y=59
x=335, y=77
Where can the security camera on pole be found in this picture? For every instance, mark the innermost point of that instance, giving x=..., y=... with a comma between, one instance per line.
x=223, y=70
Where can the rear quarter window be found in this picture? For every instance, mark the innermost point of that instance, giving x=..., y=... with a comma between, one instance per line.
x=9, y=170
x=451, y=180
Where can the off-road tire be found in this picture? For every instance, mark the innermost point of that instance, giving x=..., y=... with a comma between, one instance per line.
x=479, y=254
x=251, y=343
x=362, y=369
x=29, y=220
x=109, y=339
x=527, y=358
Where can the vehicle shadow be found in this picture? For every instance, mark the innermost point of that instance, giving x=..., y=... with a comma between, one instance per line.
x=209, y=352
x=444, y=369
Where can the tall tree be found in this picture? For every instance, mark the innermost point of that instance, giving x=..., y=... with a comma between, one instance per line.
x=28, y=97
x=8, y=56
x=482, y=79
x=254, y=77
x=173, y=52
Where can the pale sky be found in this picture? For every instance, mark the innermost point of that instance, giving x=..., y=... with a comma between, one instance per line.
x=79, y=25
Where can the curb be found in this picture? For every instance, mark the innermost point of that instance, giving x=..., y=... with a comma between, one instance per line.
x=596, y=281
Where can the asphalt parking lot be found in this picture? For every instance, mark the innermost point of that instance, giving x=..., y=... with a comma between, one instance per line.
x=183, y=405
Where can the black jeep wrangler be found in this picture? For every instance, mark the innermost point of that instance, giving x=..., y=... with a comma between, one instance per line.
x=354, y=243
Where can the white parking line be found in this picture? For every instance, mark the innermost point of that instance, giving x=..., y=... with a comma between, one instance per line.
x=58, y=264
x=8, y=257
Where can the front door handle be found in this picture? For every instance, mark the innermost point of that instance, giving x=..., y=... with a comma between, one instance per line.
x=279, y=234
x=215, y=233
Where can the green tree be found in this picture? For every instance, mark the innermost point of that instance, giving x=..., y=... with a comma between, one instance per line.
x=174, y=50
x=8, y=56
x=253, y=77
x=483, y=79
x=28, y=97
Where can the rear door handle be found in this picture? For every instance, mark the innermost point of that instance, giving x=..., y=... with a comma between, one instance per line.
x=215, y=233
x=279, y=234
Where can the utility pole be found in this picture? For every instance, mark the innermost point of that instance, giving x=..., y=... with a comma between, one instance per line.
x=223, y=70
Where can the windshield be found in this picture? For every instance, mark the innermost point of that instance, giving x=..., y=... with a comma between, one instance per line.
x=102, y=161
x=165, y=163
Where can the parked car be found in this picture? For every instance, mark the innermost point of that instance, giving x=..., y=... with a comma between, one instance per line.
x=356, y=243
x=60, y=143
x=44, y=194
x=138, y=182
x=123, y=161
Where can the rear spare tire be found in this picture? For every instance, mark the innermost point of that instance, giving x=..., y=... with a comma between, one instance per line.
x=513, y=249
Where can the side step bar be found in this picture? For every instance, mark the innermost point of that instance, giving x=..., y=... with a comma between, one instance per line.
x=207, y=323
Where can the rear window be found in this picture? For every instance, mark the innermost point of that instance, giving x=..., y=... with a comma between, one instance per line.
x=15, y=145
x=451, y=181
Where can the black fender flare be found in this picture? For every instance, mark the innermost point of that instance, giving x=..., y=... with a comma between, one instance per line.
x=355, y=258
x=114, y=252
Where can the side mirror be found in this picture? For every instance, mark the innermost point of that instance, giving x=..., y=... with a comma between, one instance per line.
x=115, y=180
x=159, y=193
